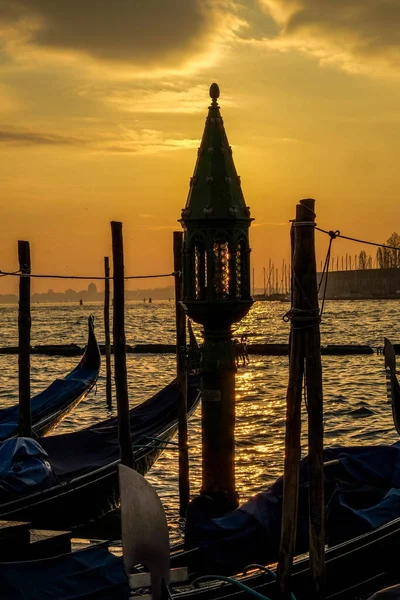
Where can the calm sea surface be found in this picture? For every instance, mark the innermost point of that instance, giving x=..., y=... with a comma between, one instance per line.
x=356, y=410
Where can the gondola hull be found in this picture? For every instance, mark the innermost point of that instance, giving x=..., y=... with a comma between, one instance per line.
x=88, y=496
x=354, y=569
x=52, y=405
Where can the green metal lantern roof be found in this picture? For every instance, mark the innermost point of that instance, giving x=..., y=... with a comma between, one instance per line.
x=215, y=188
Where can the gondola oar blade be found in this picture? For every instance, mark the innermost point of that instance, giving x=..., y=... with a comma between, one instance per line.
x=145, y=538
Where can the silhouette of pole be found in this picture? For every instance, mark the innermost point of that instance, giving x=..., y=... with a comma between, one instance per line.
x=24, y=341
x=181, y=379
x=107, y=344
x=292, y=439
x=120, y=374
x=305, y=359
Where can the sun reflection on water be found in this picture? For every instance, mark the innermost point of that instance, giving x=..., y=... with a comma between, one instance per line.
x=350, y=382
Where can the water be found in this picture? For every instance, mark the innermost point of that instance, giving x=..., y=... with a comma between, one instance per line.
x=355, y=406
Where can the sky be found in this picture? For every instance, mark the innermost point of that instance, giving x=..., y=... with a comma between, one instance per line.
x=102, y=108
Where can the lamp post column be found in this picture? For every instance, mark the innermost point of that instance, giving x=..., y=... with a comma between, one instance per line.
x=218, y=418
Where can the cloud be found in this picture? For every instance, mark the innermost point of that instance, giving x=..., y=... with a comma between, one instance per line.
x=139, y=141
x=140, y=33
x=167, y=98
x=148, y=141
x=356, y=35
x=27, y=137
x=9, y=101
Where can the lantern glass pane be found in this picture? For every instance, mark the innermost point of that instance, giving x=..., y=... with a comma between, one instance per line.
x=238, y=268
x=222, y=274
x=200, y=272
x=197, y=273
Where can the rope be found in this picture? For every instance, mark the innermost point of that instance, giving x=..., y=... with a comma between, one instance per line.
x=265, y=570
x=299, y=316
x=5, y=274
x=304, y=224
x=346, y=237
x=238, y=584
x=18, y=274
x=325, y=271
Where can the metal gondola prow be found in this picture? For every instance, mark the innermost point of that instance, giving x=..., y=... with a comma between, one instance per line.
x=393, y=387
x=145, y=537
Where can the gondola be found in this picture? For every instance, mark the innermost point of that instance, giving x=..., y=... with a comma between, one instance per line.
x=50, y=407
x=355, y=567
x=83, y=481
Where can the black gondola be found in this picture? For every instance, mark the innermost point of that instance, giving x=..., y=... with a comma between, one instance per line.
x=85, y=462
x=50, y=407
x=355, y=568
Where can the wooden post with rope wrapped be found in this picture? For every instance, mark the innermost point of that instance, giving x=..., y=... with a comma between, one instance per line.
x=305, y=361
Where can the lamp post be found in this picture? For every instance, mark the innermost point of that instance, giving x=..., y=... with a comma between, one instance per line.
x=216, y=293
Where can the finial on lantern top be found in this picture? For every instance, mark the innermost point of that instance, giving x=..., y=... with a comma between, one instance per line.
x=214, y=92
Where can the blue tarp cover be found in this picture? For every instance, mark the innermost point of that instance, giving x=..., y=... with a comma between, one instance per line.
x=362, y=492
x=92, y=573
x=24, y=467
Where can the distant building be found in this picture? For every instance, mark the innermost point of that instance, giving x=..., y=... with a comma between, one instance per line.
x=92, y=293
x=363, y=284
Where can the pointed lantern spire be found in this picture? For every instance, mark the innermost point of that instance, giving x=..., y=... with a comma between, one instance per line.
x=216, y=220
x=215, y=188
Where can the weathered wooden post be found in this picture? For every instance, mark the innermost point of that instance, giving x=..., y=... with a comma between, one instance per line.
x=107, y=345
x=181, y=379
x=292, y=439
x=305, y=358
x=24, y=341
x=313, y=381
x=120, y=375
x=216, y=281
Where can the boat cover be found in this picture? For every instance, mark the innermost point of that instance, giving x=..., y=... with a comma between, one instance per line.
x=80, y=452
x=91, y=573
x=362, y=492
x=48, y=401
x=23, y=467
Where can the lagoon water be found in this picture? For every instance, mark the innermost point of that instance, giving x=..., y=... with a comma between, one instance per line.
x=356, y=410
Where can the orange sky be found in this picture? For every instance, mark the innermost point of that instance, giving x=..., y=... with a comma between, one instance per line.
x=102, y=107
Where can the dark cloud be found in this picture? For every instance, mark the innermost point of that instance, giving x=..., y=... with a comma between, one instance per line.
x=348, y=31
x=21, y=137
x=372, y=25
x=144, y=31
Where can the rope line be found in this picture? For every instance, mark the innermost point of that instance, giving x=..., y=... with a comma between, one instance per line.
x=352, y=239
x=325, y=271
x=19, y=274
x=4, y=274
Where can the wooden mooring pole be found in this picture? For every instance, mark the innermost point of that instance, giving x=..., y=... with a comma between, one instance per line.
x=305, y=359
x=292, y=444
x=181, y=379
x=107, y=345
x=24, y=341
x=120, y=374
x=313, y=381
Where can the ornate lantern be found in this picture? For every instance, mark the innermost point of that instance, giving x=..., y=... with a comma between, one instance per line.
x=216, y=221
x=216, y=292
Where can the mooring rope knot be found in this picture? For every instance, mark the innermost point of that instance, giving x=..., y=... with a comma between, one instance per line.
x=304, y=223
x=300, y=316
x=333, y=234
